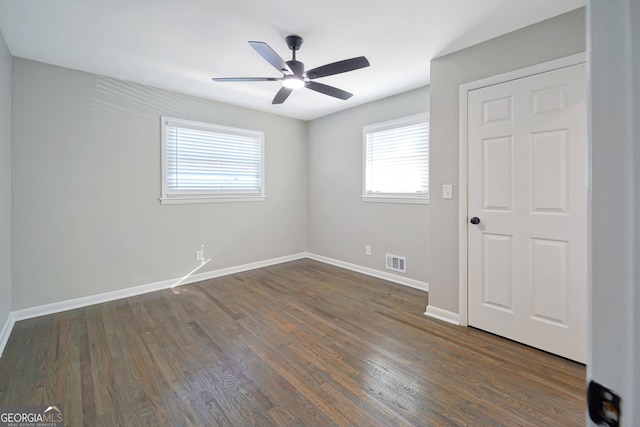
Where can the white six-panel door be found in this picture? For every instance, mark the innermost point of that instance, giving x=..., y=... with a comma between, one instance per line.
x=527, y=185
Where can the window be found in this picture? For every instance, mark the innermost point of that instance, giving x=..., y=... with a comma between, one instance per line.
x=203, y=162
x=396, y=161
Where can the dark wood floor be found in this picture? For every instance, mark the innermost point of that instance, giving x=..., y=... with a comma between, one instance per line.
x=300, y=343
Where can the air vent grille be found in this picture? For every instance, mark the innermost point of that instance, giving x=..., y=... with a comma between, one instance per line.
x=396, y=263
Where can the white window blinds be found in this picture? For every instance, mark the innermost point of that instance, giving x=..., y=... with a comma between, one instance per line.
x=205, y=161
x=397, y=160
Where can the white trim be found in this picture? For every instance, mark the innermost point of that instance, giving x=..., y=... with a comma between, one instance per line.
x=544, y=67
x=556, y=64
x=462, y=210
x=180, y=200
x=57, y=307
x=444, y=315
x=396, y=123
x=60, y=306
x=389, y=199
x=71, y=304
x=412, y=283
x=6, y=332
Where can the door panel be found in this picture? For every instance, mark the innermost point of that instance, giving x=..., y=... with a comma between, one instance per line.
x=497, y=184
x=497, y=269
x=527, y=171
x=497, y=111
x=549, y=280
x=549, y=171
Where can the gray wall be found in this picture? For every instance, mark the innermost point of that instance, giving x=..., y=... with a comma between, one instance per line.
x=340, y=224
x=555, y=38
x=86, y=186
x=5, y=182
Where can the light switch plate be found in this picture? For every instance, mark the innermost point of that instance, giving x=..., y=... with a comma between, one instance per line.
x=447, y=191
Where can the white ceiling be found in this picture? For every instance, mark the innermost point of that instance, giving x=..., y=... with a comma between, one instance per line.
x=180, y=45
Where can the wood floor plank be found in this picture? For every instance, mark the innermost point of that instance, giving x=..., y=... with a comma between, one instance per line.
x=144, y=390
x=86, y=377
x=300, y=343
x=13, y=364
x=68, y=382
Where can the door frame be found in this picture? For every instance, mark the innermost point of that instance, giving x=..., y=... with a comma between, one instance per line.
x=463, y=278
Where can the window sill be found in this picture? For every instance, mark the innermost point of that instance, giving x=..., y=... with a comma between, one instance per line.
x=191, y=200
x=405, y=200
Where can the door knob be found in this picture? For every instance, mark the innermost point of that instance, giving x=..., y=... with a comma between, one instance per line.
x=475, y=220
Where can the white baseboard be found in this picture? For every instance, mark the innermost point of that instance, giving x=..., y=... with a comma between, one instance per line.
x=71, y=304
x=424, y=286
x=57, y=307
x=444, y=315
x=5, y=332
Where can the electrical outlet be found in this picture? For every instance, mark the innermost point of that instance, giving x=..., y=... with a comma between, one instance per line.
x=367, y=250
x=200, y=254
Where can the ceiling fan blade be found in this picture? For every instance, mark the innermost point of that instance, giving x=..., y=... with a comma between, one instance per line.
x=246, y=79
x=282, y=95
x=270, y=56
x=328, y=90
x=338, y=67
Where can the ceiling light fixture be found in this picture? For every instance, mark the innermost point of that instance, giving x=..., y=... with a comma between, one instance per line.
x=293, y=82
x=294, y=74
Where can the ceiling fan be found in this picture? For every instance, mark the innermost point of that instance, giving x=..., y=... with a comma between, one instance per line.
x=293, y=74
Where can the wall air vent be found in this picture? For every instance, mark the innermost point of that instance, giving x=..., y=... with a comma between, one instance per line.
x=396, y=263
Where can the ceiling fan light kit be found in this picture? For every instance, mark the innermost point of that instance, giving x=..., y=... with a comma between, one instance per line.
x=293, y=82
x=293, y=72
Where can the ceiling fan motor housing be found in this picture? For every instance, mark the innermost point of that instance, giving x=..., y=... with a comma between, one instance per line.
x=296, y=67
x=294, y=42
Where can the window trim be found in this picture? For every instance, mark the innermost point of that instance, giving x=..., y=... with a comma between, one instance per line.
x=393, y=197
x=165, y=198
